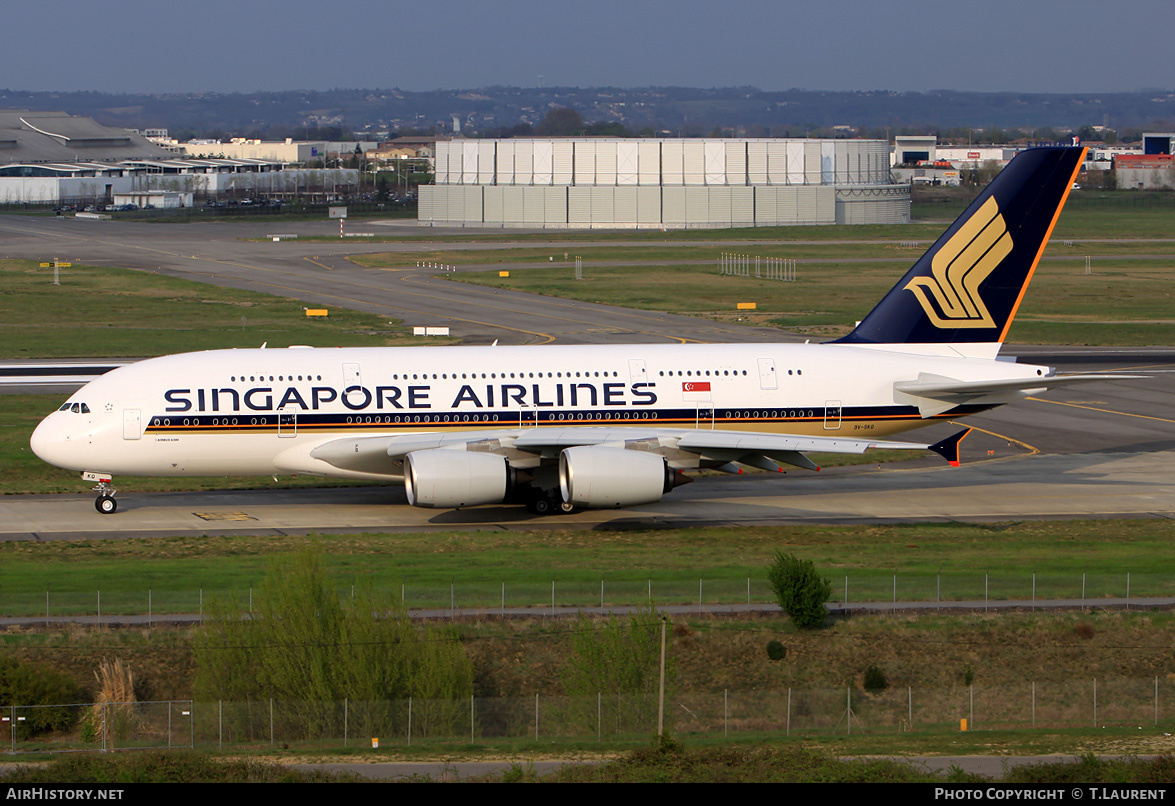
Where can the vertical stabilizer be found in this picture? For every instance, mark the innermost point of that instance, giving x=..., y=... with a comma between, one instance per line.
x=968, y=286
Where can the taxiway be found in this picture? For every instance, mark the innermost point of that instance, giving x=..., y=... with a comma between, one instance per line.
x=1101, y=450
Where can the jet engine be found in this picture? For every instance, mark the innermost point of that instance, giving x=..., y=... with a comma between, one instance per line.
x=455, y=478
x=601, y=478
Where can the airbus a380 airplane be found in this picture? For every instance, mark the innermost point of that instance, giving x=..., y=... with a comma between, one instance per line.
x=602, y=426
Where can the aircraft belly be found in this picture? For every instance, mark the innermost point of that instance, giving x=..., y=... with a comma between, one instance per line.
x=196, y=455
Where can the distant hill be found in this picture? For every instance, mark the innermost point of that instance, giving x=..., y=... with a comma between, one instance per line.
x=744, y=111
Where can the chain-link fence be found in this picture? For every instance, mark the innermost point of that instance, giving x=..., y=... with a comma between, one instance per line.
x=97, y=726
x=604, y=718
x=976, y=589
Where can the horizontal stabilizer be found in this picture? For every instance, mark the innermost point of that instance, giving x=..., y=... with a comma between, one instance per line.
x=934, y=394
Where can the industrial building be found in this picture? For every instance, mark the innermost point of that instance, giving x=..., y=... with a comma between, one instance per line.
x=55, y=158
x=662, y=184
x=289, y=151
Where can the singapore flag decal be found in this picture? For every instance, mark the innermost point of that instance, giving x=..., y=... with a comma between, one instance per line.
x=695, y=390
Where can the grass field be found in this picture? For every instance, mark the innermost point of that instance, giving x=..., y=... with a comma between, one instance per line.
x=844, y=271
x=105, y=312
x=951, y=561
x=667, y=762
x=1064, y=306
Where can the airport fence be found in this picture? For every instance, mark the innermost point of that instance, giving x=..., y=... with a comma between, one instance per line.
x=106, y=726
x=924, y=591
x=605, y=719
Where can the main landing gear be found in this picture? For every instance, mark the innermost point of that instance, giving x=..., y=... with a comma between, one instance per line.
x=543, y=504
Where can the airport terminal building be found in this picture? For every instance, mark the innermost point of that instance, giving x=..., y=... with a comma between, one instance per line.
x=662, y=184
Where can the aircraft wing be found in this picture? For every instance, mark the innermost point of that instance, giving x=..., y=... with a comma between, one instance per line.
x=384, y=454
x=682, y=449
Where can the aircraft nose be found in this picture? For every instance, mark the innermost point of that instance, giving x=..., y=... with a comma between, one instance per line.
x=50, y=441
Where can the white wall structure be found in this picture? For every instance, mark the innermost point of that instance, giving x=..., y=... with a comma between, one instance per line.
x=159, y=199
x=664, y=184
x=292, y=182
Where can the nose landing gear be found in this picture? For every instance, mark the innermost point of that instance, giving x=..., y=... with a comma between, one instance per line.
x=105, y=502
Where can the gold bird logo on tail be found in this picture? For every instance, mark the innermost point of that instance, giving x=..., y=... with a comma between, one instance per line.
x=951, y=297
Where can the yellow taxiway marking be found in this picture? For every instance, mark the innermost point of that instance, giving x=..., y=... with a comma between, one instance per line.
x=224, y=516
x=1032, y=449
x=1104, y=411
x=314, y=260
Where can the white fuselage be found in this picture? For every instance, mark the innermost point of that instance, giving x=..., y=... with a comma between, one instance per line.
x=261, y=412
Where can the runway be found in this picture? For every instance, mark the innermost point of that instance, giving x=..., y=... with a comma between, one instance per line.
x=319, y=273
x=1094, y=451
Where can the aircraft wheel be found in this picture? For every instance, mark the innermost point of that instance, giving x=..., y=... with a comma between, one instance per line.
x=541, y=505
x=106, y=504
x=566, y=507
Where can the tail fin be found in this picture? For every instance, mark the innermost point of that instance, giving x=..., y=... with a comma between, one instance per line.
x=967, y=287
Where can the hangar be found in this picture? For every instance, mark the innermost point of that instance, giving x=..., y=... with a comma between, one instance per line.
x=56, y=158
x=662, y=183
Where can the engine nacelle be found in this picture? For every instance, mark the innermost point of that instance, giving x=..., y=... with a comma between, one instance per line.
x=456, y=478
x=602, y=478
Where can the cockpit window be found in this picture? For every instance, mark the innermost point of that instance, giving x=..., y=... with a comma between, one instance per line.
x=76, y=408
x=85, y=409
x=64, y=407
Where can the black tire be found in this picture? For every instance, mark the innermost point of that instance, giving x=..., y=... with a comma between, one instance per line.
x=542, y=506
x=106, y=504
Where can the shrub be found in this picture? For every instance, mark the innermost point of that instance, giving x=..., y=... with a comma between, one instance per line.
x=621, y=660
x=776, y=650
x=304, y=644
x=875, y=680
x=33, y=684
x=799, y=590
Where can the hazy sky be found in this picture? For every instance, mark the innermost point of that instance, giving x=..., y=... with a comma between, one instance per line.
x=247, y=45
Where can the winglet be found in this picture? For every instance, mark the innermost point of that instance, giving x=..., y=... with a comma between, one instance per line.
x=949, y=448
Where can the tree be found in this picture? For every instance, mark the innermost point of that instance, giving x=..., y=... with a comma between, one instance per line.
x=300, y=643
x=560, y=122
x=800, y=591
x=981, y=175
x=620, y=662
